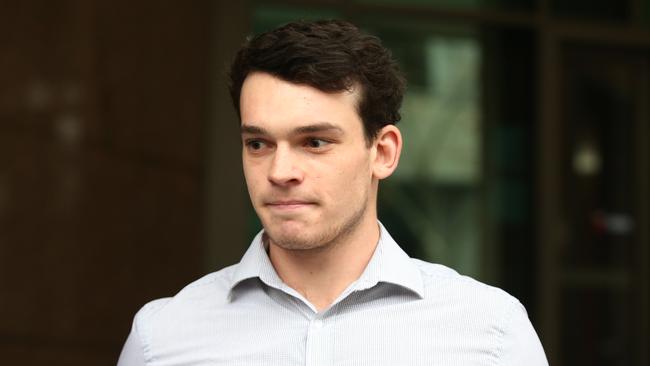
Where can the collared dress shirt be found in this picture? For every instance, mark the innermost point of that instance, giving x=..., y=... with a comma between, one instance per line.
x=401, y=311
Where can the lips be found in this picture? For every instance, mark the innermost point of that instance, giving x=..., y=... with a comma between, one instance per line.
x=289, y=204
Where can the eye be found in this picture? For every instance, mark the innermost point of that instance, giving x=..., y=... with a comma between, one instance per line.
x=255, y=145
x=316, y=143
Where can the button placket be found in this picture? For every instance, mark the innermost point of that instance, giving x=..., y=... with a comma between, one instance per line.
x=318, y=346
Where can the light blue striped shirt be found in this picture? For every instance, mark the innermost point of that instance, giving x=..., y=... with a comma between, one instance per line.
x=401, y=311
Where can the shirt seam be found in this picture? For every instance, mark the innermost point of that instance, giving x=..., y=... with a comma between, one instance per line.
x=143, y=331
x=507, y=323
x=146, y=349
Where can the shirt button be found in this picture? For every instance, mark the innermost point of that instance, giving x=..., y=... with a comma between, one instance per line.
x=318, y=323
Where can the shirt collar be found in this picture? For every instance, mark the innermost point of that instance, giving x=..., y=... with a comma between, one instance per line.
x=388, y=264
x=256, y=264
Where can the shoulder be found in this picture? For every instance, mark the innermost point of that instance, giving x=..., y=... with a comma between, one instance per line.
x=438, y=279
x=468, y=301
x=210, y=289
x=482, y=317
x=158, y=323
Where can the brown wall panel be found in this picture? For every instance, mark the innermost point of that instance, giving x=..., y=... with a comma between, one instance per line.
x=102, y=108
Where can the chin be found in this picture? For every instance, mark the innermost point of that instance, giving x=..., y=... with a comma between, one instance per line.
x=294, y=242
x=294, y=237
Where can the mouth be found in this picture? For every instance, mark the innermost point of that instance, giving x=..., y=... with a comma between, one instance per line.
x=289, y=205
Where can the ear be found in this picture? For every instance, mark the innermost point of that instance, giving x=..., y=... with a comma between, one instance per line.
x=387, y=149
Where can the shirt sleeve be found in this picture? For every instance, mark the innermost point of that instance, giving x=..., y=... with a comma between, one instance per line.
x=132, y=353
x=521, y=345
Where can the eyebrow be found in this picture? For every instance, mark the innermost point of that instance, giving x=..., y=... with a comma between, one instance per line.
x=253, y=130
x=317, y=127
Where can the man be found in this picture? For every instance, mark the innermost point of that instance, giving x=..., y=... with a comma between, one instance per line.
x=324, y=283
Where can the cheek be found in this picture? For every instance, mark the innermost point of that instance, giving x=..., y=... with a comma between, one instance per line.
x=358, y=168
x=352, y=176
x=248, y=177
x=253, y=178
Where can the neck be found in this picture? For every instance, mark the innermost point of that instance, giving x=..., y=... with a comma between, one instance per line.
x=322, y=274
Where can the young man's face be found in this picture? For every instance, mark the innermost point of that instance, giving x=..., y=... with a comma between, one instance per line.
x=306, y=162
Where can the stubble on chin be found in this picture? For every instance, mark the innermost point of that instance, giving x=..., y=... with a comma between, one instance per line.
x=321, y=239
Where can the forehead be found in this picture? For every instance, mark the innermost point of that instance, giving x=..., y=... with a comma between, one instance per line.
x=276, y=105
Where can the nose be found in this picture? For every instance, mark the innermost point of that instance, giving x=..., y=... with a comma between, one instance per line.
x=285, y=168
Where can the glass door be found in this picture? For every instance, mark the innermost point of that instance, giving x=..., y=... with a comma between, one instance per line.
x=603, y=282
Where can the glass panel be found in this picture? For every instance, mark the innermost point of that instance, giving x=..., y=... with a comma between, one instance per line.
x=267, y=17
x=599, y=172
x=461, y=195
x=612, y=10
x=432, y=204
x=594, y=328
x=461, y=4
x=603, y=100
x=645, y=13
x=509, y=86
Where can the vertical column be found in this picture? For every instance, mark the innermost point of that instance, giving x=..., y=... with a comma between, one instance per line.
x=225, y=202
x=550, y=223
x=643, y=239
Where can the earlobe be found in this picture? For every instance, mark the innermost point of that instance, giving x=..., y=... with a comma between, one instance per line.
x=388, y=147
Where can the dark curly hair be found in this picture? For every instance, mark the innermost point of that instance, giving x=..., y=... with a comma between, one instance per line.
x=329, y=55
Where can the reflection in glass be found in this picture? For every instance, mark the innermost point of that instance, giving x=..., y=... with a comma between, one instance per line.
x=600, y=282
x=432, y=203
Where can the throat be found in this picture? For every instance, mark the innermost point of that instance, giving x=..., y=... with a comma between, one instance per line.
x=321, y=275
x=320, y=297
